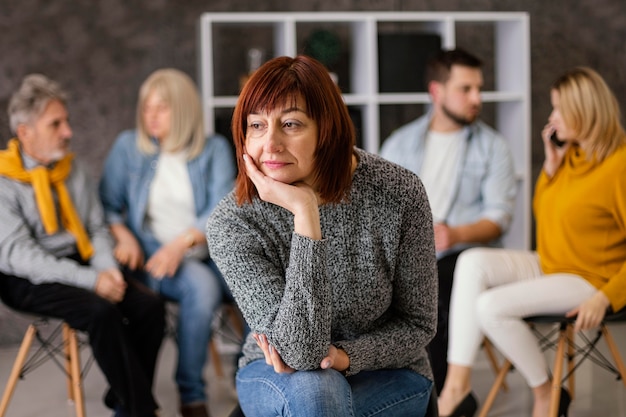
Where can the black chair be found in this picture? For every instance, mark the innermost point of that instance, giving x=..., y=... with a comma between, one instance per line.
x=562, y=338
x=62, y=346
x=431, y=411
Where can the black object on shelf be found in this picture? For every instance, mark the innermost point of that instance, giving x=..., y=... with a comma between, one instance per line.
x=357, y=121
x=402, y=59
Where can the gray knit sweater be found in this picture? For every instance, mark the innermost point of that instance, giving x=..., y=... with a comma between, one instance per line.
x=369, y=286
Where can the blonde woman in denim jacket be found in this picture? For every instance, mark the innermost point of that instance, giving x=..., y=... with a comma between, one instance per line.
x=159, y=185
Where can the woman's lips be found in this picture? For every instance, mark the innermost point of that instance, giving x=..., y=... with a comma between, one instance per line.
x=274, y=164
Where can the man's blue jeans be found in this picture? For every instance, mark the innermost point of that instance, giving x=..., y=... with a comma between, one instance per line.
x=199, y=290
x=383, y=393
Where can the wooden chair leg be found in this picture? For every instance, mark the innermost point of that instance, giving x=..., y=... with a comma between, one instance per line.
x=17, y=368
x=558, y=373
x=77, y=382
x=238, y=326
x=615, y=353
x=68, y=362
x=235, y=319
x=488, y=347
x=497, y=384
x=216, y=358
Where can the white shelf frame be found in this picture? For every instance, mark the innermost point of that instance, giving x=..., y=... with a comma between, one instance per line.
x=512, y=82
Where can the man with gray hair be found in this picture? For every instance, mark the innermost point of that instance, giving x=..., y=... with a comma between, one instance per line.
x=56, y=255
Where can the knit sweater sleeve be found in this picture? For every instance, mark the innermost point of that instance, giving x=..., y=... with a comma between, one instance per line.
x=277, y=277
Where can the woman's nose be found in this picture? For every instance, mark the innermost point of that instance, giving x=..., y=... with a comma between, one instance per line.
x=273, y=141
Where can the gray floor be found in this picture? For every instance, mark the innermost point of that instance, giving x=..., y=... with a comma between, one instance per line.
x=43, y=392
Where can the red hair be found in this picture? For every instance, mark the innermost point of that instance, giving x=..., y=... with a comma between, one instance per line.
x=282, y=81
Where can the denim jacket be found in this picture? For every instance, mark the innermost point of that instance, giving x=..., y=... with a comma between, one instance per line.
x=485, y=183
x=128, y=173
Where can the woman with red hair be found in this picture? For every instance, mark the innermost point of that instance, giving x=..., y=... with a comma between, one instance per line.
x=329, y=253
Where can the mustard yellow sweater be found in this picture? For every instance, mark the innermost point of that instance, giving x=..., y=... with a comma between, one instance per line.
x=581, y=221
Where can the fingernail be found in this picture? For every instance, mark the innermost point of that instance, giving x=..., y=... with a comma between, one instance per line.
x=271, y=349
x=326, y=364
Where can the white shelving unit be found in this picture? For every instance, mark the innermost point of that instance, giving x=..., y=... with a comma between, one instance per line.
x=510, y=96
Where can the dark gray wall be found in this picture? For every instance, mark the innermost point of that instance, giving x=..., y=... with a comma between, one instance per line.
x=101, y=50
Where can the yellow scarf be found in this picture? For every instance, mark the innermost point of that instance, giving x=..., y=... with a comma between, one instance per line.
x=42, y=179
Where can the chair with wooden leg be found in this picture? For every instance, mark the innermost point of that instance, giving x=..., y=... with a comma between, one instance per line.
x=64, y=353
x=575, y=352
x=493, y=361
x=228, y=324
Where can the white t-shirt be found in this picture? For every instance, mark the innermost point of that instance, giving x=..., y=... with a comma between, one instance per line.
x=439, y=170
x=171, y=208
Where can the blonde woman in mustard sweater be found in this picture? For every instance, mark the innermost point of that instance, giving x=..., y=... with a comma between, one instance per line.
x=579, y=268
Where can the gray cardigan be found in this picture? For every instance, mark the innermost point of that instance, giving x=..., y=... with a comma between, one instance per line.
x=369, y=286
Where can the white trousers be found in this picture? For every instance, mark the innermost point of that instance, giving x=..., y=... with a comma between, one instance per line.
x=493, y=290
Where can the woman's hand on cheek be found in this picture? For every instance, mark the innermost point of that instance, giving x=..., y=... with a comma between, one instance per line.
x=289, y=196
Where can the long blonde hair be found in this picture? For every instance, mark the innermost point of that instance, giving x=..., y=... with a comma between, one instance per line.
x=187, y=127
x=590, y=109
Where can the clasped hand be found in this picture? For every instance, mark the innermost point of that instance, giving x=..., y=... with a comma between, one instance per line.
x=164, y=262
x=272, y=357
x=110, y=285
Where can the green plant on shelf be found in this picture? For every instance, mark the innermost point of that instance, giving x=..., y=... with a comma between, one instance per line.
x=324, y=46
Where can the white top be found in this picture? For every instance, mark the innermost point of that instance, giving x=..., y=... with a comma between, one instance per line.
x=439, y=170
x=171, y=208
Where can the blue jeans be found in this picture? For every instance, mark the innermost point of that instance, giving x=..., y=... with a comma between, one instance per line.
x=382, y=393
x=199, y=289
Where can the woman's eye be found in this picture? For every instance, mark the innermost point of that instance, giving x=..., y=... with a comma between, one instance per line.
x=255, y=126
x=290, y=124
x=255, y=129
